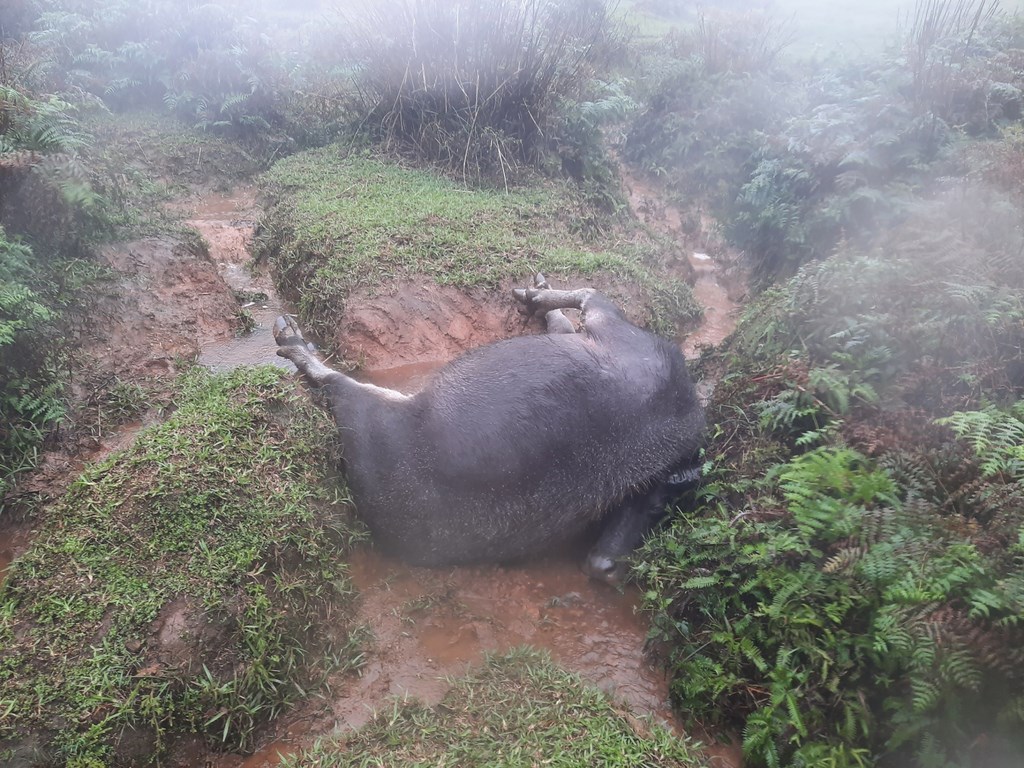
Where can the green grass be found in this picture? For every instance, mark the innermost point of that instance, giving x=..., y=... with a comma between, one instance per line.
x=338, y=223
x=515, y=710
x=221, y=521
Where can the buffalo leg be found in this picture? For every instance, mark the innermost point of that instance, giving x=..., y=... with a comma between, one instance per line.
x=554, y=320
x=599, y=312
x=292, y=345
x=548, y=299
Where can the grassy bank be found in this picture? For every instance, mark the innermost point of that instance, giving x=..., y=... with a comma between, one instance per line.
x=516, y=709
x=339, y=222
x=180, y=584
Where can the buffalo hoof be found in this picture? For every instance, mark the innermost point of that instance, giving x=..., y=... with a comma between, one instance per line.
x=288, y=334
x=527, y=296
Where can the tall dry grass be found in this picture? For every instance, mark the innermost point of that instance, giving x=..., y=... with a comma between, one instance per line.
x=472, y=86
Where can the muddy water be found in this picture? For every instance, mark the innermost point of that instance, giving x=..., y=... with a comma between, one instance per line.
x=719, y=309
x=719, y=300
x=431, y=624
x=226, y=222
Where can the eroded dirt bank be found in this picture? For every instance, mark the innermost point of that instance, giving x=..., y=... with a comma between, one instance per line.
x=165, y=299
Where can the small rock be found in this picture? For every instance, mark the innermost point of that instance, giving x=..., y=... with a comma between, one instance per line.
x=567, y=600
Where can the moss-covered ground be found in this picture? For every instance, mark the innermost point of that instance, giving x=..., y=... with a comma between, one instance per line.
x=181, y=583
x=514, y=710
x=339, y=221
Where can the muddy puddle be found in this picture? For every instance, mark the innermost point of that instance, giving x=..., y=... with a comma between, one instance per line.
x=430, y=625
x=409, y=378
x=226, y=222
x=719, y=308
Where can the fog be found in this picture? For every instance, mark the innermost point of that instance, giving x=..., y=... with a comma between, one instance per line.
x=845, y=586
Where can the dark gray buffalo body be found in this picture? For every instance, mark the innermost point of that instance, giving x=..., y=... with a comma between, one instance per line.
x=523, y=444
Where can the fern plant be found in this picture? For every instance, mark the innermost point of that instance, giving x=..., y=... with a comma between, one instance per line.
x=836, y=617
x=996, y=435
x=30, y=393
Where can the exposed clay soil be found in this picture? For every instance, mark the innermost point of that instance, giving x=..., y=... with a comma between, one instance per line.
x=165, y=297
x=422, y=323
x=166, y=300
x=171, y=303
x=417, y=323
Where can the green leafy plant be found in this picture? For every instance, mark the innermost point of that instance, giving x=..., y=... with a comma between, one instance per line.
x=837, y=620
x=30, y=395
x=996, y=435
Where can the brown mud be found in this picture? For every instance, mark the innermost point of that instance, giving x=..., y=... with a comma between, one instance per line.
x=166, y=300
x=413, y=323
x=720, y=282
x=226, y=223
x=163, y=299
x=430, y=624
x=417, y=323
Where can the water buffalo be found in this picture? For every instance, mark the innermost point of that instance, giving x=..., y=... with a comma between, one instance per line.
x=523, y=444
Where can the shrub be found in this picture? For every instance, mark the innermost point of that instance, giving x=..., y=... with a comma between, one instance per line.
x=797, y=164
x=474, y=87
x=211, y=64
x=841, y=617
x=30, y=395
x=848, y=590
x=44, y=193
